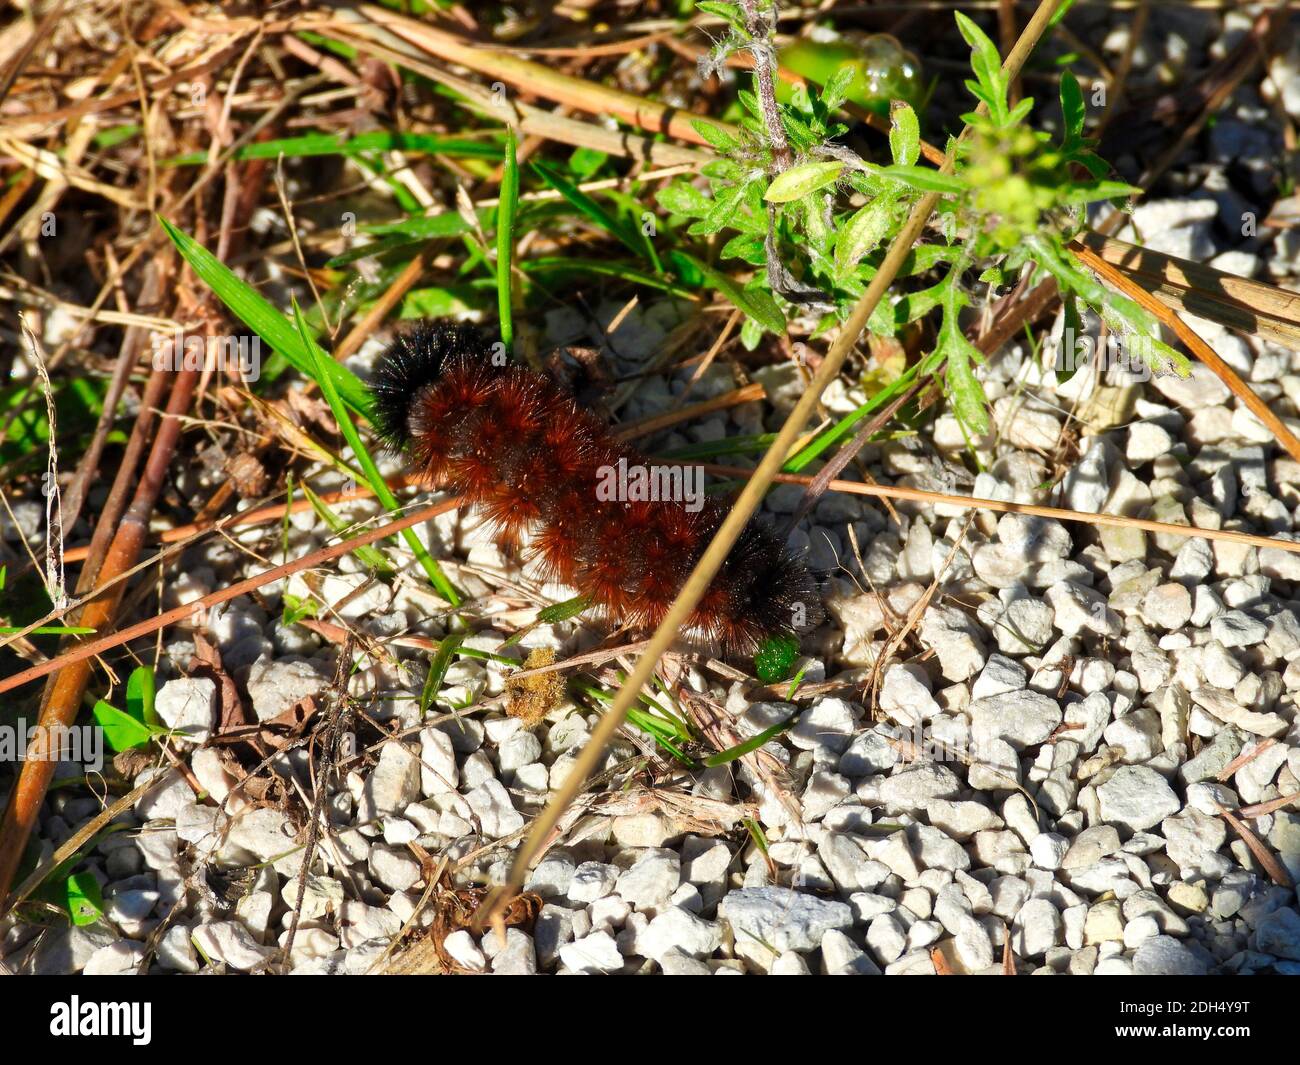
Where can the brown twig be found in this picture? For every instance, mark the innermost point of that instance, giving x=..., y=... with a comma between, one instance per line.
x=744, y=506
x=1194, y=343
x=90, y=649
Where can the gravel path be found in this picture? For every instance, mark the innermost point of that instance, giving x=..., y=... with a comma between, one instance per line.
x=1046, y=759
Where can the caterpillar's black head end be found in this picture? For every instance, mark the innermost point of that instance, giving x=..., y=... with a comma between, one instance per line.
x=772, y=592
x=416, y=359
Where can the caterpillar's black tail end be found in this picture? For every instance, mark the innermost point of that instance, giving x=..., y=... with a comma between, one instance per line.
x=416, y=359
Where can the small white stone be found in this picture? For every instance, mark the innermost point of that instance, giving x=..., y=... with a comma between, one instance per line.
x=232, y=943
x=188, y=705
x=886, y=938
x=1136, y=798
x=276, y=685
x=594, y=953
x=999, y=676
x=781, y=919
x=1147, y=441
x=961, y=820
x=395, y=870
x=974, y=947
x=1077, y=609
x=790, y=964
x=912, y=786
x=460, y=946
x=1036, y=929
x=176, y=952
x=842, y=957
x=519, y=750
x=591, y=881
x=652, y=879
x=518, y=957
x=829, y=724
x=953, y=638
x=117, y=959
x=1238, y=629
x=1022, y=718
x=360, y=923
x=438, y=771
x=675, y=928
x=392, y=785
x=496, y=814
x=905, y=695
x=1167, y=606
x=1048, y=849
x=609, y=912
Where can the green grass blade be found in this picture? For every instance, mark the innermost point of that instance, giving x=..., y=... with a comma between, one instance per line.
x=560, y=263
x=438, y=667
x=751, y=744
x=506, y=238
x=316, y=144
x=592, y=210
x=844, y=426
x=375, y=479
x=368, y=555
x=250, y=308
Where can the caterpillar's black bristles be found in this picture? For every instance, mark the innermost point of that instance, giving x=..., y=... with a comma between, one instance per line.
x=412, y=362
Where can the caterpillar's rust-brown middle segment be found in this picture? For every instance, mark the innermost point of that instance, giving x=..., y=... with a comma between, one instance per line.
x=512, y=441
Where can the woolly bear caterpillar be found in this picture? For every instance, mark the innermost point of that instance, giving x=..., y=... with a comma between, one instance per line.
x=515, y=443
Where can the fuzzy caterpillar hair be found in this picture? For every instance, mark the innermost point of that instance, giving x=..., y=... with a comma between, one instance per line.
x=514, y=442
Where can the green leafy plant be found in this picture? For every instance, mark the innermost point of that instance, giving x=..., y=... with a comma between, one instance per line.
x=817, y=217
x=138, y=723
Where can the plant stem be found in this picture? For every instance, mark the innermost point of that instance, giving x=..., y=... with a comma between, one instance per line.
x=759, y=25
x=745, y=505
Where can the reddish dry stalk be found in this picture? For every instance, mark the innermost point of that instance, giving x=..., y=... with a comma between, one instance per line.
x=63, y=699
x=538, y=78
x=151, y=291
x=1261, y=410
x=150, y=625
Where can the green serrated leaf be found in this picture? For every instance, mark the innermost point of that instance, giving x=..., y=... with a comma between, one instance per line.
x=904, y=133
x=1073, y=111
x=1092, y=191
x=798, y=181
x=750, y=334
x=925, y=179
x=719, y=138
x=683, y=198
x=729, y=13
x=986, y=62
x=861, y=234
x=746, y=247
x=838, y=86
x=964, y=389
